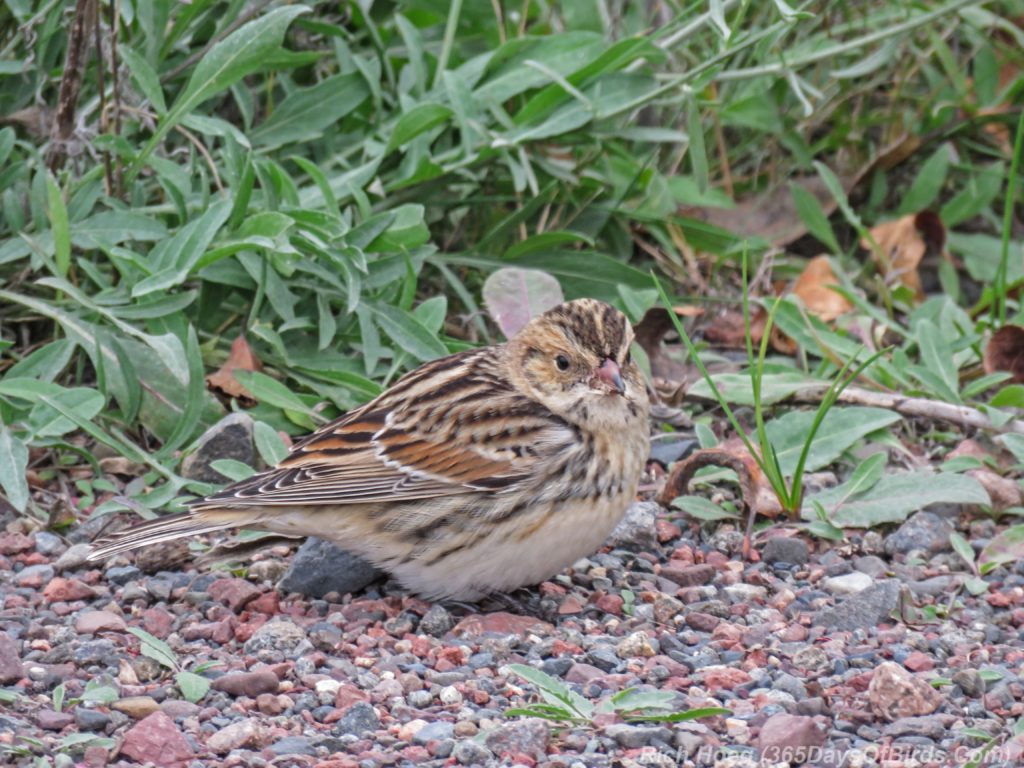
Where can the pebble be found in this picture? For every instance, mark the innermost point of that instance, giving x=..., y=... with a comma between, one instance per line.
x=923, y=531
x=848, y=584
x=786, y=549
x=865, y=609
x=320, y=568
x=360, y=720
x=249, y=684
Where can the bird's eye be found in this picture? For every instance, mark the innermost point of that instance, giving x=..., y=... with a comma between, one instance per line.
x=629, y=358
x=562, y=362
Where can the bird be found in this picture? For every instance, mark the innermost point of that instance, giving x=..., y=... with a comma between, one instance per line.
x=481, y=472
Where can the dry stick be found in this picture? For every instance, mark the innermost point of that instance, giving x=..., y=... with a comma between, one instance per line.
x=961, y=415
x=70, y=84
x=115, y=25
x=101, y=86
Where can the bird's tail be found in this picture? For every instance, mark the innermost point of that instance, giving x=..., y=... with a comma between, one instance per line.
x=167, y=528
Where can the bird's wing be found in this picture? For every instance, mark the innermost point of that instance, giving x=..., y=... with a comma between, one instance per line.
x=449, y=427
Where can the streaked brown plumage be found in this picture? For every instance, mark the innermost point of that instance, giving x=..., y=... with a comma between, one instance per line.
x=482, y=471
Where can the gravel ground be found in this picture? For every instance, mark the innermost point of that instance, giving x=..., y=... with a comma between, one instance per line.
x=800, y=644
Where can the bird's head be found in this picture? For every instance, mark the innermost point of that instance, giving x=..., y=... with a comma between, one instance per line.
x=575, y=360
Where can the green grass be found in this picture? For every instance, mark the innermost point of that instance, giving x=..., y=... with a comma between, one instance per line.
x=336, y=185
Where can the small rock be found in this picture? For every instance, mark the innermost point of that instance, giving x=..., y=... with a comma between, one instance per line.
x=157, y=740
x=436, y=731
x=243, y=733
x=361, y=720
x=929, y=726
x=67, y=590
x=51, y=720
x=970, y=681
x=783, y=736
x=292, y=745
x=47, y=543
x=924, y=531
x=136, y=707
x=635, y=645
x=745, y=593
x=11, y=670
x=229, y=438
x=436, y=621
x=872, y=565
x=91, y=719
x=33, y=576
x=91, y=622
x=786, y=549
x=499, y=624
x=894, y=693
x=234, y=593
x=470, y=753
x=74, y=558
x=636, y=736
x=14, y=543
x=690, y=575
x=277, y=635
x=249, y=684
x=865, y=609
x=636, y=529
x=320, y=567
x=848, y=584
x=122, y=574
x=529, y=736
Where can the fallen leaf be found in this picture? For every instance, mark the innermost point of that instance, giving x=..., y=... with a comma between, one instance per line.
x=727, y=328
x=813, y=288
x=771, y=214
x=1005, y=352
x=514, y=295
x=902, y=243
x=242, y=358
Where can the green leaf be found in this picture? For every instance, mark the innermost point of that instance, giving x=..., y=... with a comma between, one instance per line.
x=409, y=333
x=736, y=387
x=895, y=497
x=417, y=120
x=145, y=77
x=239, y=54
x=306, y=112
x=271, y=391
x=193, y=687
x=174, y=259
x=937, y=356
x=47, y=422
x=702, y=509
x=840, y=430
x=696, y=151
x=13, y=463
x=928, y=183
x=866, y=475
x=962, y=548
x=233, y=470
x=813, y=217
x=1005, y=547
x=44, y=363
x=58, y=216
x=155, y=648
x=269, y=443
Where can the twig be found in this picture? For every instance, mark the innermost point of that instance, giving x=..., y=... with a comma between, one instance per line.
x=101, y=86
x=920, y=407
x=115, y=25
x=70, y=84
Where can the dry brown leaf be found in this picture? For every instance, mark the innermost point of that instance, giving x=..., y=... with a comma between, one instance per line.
x=118, y=465
x=242, y=358
x=902, y=243
x=1005, y=352
x=813, y=289
x=727, y=328
x=772, y=214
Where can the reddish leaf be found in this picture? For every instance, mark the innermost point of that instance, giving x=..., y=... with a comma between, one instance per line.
x=242, y=358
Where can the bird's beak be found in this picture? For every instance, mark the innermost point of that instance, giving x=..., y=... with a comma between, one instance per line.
x=610, y=375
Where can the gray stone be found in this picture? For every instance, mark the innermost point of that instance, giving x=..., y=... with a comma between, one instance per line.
x=48, y=543
x=470, y=753
x=872, y=565
x=276, y=635
x=91, y=719
x=122, y=574
x=436, y=621
x=924, y=531
x=73, y=558
x=292, y=745
x=529, y=736
x=864, y=609
x=320, y=567
x=635, y=736
x=436, y=731
x=229, y=438
x=787, y=683
x=970, y=681
x=11, y=669
x=848, y=583
x=784, y=549
x=361, y=720
x=636, y=529
x=929, y=726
